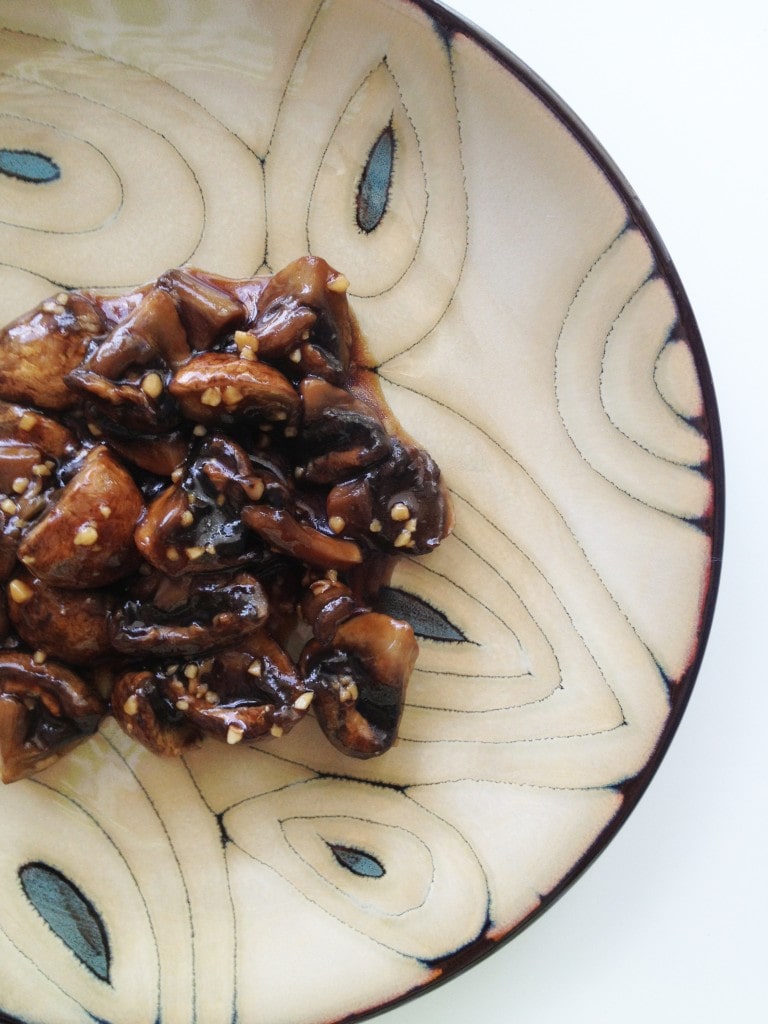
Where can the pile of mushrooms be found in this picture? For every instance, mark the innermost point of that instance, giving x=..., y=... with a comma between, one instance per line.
x=201, y=492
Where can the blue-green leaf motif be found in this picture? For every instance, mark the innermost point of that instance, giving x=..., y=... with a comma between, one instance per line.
x=376, y=181
x=427, y=622
x=69, y=914
x=36, y=168
x=357, y=861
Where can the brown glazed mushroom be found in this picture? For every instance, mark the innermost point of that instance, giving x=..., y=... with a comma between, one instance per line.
x=206, y=311
x=86, y=538
x=39, y=349
x=188, y=615
x=244, y=290
x=70, y=624
x=33, y=449
x=400, y=505
x=23, y=425
x=195, y=525
x=124, y=380
x=142, y=708
x=304, y=321
x=158, y=454
x=359, y=679
x=283, y=532
x=243, y=693
x=217, y=387
x=340, y=434
x=325, y=604
x=45, y=710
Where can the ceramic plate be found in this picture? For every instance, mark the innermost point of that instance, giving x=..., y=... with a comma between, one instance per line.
x=529, y=330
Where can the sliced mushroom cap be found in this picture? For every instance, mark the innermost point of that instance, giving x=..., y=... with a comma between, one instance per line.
x=124, y=380
x=70, y=624
x=34, y=452
x=86, y=538
x=195, y=525
x=340, y=434
x=144, y=710
x=400, y=505
x=17, y=462
x=206, y=311
x=283, y=532
x=189, y=615
x=38, y=350
x=116, y=308
x=160, y=454
x=359, y=679
x=325, y=605
x=217, y=387
x=45, y=709
x=304, y=319
x=33, y=449
x=246, y=692
x=151, y=334
x=245, y=290
x=29, y=426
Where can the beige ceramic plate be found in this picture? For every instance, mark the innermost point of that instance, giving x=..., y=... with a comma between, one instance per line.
x=531, y=334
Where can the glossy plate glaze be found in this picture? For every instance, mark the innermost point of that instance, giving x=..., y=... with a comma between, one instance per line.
x=531, y=333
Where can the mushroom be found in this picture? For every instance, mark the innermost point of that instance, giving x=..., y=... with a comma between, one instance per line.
x=124, y=380
x=400, y=504
x=325, y=604
x=245, y=290
x=245, y=692
x=206, y=311
x=195, y=525
x=340, y=434
x=283, y=532
x=116, y=308
x=34, y=449
x=71, y=624
x=17, y=462
x=23, y=425
x=303, y=319
x=45, y=709
x=39, y=349
x=85, y=539
x=216, y=386
x=142, y=708
x=359, y=678
x=188, y=615
x=159, y=454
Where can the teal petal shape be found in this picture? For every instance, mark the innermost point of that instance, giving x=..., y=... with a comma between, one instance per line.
x=69, y=914
x=28, y=166
x=376, y=181
x=427, y=622
x=358, y=862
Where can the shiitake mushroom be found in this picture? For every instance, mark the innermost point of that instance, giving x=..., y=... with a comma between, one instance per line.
x=45, y=710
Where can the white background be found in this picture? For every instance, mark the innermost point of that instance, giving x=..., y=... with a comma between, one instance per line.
x=669, y=924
